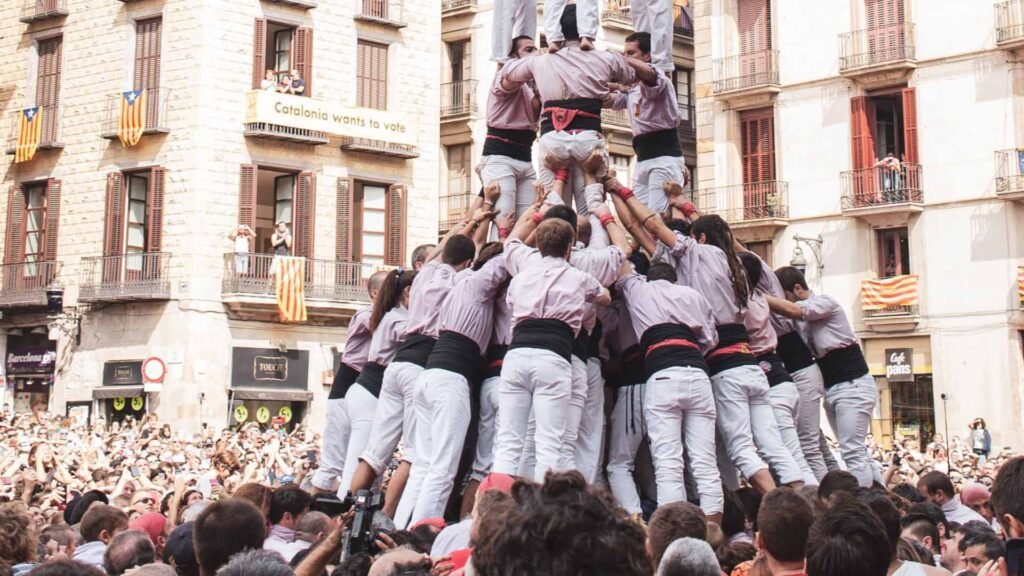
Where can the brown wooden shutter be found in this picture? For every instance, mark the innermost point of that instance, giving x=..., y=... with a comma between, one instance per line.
x=303, y=214
x=14, y=248
x=758, y=133
x=304, y=56
x=53, y=189
x=372, y=75
x=48, y=80
x=247, y=199
x=259, y=52
x=343, y=252
x=147, y=66
x=910, y=125
x=155, y=210
x=861, y=141
x=113, y=234
x=754, y=26
x=395, y=208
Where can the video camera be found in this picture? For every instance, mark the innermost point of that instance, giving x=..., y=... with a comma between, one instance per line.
x=361, y=535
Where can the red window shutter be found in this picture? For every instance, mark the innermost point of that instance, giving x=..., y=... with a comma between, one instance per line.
x=304, y=214
x=247, y=199
x=758, y=145
x=394, y=233
x=147, y=66
x=754, y=26
x=259, y=52
x=304, y=56
x=910, y=125
x=113, y=235
x=14, y=248
x=155, y=210
x=53, y=189
x=343, y=252
x=48, y=80
x=861, y=144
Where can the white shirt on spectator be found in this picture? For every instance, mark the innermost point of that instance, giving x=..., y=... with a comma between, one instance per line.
x=957, y=512
x=282, y=540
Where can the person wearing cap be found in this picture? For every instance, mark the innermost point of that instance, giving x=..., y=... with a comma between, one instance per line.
x=179, y=551
x=156, y=526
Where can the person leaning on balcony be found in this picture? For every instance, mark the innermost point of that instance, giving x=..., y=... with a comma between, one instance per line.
x=295, y=84
x=890, y=168
x=269, y=82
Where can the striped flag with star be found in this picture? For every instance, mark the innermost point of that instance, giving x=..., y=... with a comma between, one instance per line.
x=132, y=119
x=290, y=284
x=30, y=132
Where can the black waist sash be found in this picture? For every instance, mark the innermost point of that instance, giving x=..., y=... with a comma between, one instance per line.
x=371, y=378
x=774, y=369
x=516, y=144
x=415, y=350
x=732, y=350
x=494, y=360
x=795, y=353
x=344, y=377
x=571, y=114
x=544, y=334
x=842, y=365
x=670, y=346
x=656, y=144
x=580, y=345
x=456, y=353
x=633, y=366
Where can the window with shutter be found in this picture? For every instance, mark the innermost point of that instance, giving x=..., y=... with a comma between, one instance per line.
x=910, y=126
x=48, y=80
x=885, y=30
x=370, y=223
x=758, y=145
x=755, y=31
x=137, y=187
x=247, y=199
x=372, y=75
x=304, y=214
x=155, y=223
x=259, y=49
x=304, y=57
x=347, y=273
x=396, y=208
x=53, y=197
x=148, y=34
x=114, y=224
x=15, y=241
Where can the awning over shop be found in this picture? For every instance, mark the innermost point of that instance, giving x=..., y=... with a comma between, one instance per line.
x=271, y=394
x=107, y=392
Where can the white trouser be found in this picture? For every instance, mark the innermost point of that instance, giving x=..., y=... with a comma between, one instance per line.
x=655, y=18
x=573, y=147
x=625, y=433
x=512, y=18
x=785, y=402
x=573, y=418
x=394, y=414
x=514, y=177
x=484, y=457
x=679, y=408
x=541, y=379
x=443, y=431
x=745, y=418
x=808, y=423
x=849, y=406
x=416, y=449
x=337, y=430
x=528, y=462
x=587, y=450
x=829, y=456
x=651, y=176
x=586, y=19
x=361, y=407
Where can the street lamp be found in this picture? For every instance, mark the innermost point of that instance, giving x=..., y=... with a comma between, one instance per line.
x=799, y=261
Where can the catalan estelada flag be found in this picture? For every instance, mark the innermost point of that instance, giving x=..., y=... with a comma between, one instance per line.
x=30, y=132
x=131, y=122
x=291, y=297
x=886, y=292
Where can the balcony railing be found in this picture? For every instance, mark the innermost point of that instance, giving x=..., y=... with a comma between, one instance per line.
x=25, y=283
x=458, y=98
x=876, y=46
x=882, y=186
x=1010, y=171
x=892, y=297
x=384, y=12
x=617, y=118
x=50, y=129
x=288, y=133
x=452, y=209
x=325, y=280
x=757, y=201
x=156, y=113
x=137, y=276
x=746, y=71
x=455, y=5
x=381, y=147
x=687, y=122
x=682, y=23
x=38, y=10
x=1010, y=21
x=617, y=11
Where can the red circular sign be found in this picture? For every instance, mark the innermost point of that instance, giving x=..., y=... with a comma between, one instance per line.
x=153, y=370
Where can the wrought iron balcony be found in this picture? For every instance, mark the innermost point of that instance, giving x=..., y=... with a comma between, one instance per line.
x=754, y=201
x=285, y=133
x=452, y=208
x=617, y=13
x=682, y=23
x=748, y=72
x=50, y=136
x=890, y=300
x=350, y=144
x=882, y=188
x=458, y=98
x=450, y=7
x=1010, y=173
x=155, y=121
x=383, y=12
x=615, y=119
x=1010, y=23
x=687, y=123
x=125, y=277
x=880, y=47
x=39, y=10
x=24, y=284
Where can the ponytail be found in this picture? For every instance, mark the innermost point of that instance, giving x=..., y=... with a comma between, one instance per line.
x=717, y=233
x=390, y=294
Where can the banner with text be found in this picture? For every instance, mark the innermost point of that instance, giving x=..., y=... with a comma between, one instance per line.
x=330, y=117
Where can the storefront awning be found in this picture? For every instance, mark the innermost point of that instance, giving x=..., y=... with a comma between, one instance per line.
x=271, y=394
x=107, y=392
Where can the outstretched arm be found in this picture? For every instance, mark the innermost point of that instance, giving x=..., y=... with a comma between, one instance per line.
x=785, y=307
x=631, y=224
x=615, y=233
x=644, y=71
x=649, y=220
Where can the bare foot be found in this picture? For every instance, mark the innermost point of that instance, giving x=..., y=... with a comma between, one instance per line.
x=555, y=163
x=594, y=163
x=586, y=44
x=554, y=47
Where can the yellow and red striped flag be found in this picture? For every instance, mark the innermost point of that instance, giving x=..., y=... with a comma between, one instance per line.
x=291, y=297
x=885, y=292
x=30, y=133
x=131, y=122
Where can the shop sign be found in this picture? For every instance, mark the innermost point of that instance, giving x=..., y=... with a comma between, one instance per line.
x=899, y=364
x=269, y=368
x=122, y=373
x=31, y=360
x=241, y=413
